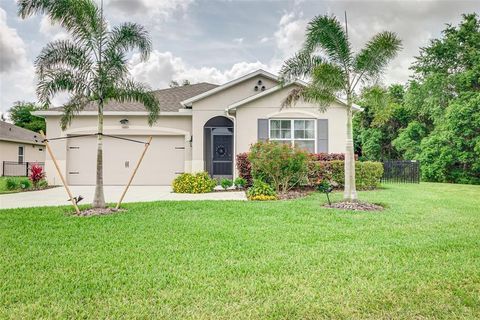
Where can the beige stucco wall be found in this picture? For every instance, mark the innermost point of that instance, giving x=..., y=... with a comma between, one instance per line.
x=9, y=152
x=138, y=126
x=268, y=107
x=215, y=105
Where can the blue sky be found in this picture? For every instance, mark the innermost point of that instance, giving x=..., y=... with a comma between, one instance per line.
x=216, y=41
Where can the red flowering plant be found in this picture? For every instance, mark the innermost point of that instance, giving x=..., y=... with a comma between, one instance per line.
x=36, y=175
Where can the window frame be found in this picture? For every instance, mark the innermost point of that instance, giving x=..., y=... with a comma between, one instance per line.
x=292, y=138
x=21, y=155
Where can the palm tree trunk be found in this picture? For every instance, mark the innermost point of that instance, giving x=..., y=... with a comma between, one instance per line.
x=350, y=190
x=99, y=197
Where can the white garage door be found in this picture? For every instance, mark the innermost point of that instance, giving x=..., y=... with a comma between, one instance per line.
x=163, y=161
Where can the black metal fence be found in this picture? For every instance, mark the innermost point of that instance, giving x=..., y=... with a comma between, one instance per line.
x=401, y=171
x=18, y=169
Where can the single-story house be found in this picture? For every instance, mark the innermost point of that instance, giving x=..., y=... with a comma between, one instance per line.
x=201, y=127
x=19, y=146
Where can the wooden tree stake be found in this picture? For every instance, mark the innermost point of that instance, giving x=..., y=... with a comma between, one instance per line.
x=59, y=172
x=134, y=172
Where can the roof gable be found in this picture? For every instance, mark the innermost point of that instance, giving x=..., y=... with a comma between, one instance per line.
x=260, y=72
x=240, y=103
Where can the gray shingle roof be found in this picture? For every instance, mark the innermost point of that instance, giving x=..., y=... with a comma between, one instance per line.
x=11, y=132
x=169, y=99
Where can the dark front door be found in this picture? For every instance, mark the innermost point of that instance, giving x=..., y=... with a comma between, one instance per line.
x=222, y=155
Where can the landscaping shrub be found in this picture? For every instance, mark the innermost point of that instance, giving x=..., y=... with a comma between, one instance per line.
x=36, y=175
x=12, y=184
x=261, y=191
x=226, y=183
x=193, y=183
x=25, y=184
x=244, y=168
x=280, y=165
x=367, y=173
x=240, y=183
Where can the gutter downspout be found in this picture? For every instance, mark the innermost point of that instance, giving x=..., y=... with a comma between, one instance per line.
x=234, y=119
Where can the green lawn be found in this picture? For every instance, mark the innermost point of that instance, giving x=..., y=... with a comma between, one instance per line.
x=420, y=258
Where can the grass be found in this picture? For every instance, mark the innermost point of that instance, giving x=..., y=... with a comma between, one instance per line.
x=419, y=258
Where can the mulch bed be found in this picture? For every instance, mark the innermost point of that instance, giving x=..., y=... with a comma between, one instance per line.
x=355, y=206
x=295, y=193
x=98, y=212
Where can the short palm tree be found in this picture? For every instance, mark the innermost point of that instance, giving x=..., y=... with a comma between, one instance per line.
x=334, y=71
x=91, y=65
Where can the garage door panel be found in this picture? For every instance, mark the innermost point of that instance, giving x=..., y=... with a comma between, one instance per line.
x=163, y=160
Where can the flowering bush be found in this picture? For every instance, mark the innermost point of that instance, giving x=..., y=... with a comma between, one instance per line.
x=36, y=175
x=261, y=191
x=193, y=183
x=244, y=168
x=279, y=164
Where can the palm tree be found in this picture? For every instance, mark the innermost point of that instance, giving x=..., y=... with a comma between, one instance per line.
x=91, y=65
x=326, y=58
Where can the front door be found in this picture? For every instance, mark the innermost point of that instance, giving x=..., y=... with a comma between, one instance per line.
x=222, y=154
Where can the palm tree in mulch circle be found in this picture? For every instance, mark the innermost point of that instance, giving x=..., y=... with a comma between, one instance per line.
x=91, y=65
x=327, y=59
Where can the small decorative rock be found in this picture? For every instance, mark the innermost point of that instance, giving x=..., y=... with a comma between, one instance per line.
x=355, y=206
x=98, y=212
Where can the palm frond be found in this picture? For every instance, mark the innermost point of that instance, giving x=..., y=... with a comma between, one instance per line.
x=326, y=34
x=72, y=108
x=115, y=66
x=293, y=96
x=373, y=59
x=327, y=76
x=131, y=91
x=80, y=17
x=130, y=36
x=299, y=66
x=63, y=53
x=55, y=81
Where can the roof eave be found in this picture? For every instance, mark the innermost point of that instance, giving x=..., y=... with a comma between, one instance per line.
x=355, y=107
x=22, y=141
x=45, y=113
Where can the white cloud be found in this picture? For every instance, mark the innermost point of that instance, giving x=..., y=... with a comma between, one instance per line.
x=12, y=47
x=162, y=67
x=264, y=39
x=290, y=34
x=52, y=31
x=238, y=41
x=160, y=8
x=16, y=73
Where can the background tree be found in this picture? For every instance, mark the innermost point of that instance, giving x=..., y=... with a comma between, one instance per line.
x=327, y=59
x=434, y=118
x=91, y=66
x=21, y=115
x=384, y=115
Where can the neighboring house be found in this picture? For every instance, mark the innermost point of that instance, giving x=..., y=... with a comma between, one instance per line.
x=201, y=128
x=17, y=147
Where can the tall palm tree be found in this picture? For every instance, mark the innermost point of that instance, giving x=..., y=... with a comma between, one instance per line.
x=334, y=71
x=91, y=65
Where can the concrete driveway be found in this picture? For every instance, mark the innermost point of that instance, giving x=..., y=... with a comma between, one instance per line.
x=58, y=196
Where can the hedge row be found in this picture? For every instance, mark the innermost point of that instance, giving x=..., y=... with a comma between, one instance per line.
x=323, y=156
x=368, y=173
